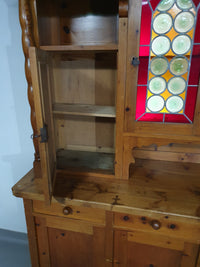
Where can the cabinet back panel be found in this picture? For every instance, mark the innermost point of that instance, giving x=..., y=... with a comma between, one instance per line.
x=77, y=22
x=85, y=133
x=85, y=79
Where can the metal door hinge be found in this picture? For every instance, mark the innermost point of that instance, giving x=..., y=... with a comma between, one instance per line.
x=135, y=61
x=112, y=261
x=43, y=134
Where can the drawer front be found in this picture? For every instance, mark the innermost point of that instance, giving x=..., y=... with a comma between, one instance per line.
x=70, y=211
x=167, y=225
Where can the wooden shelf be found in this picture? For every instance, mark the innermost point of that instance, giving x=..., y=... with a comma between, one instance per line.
x=85, y=161
x=86, y=47
x=84, y=110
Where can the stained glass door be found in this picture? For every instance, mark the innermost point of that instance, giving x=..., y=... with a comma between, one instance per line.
x=169, y=55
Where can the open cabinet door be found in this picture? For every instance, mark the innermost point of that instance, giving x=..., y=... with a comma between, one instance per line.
x=43, y=108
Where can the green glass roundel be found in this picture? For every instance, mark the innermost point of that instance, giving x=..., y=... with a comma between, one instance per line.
x=181, y=44
x=157, y=85
x=184, y=4
x=165, y=5
x=155, y=103
x=160, y=45
x=184, y=22
x=174, y=104
x=162, y=23
x=176, y=85
x=159, y=65
x=178, y=65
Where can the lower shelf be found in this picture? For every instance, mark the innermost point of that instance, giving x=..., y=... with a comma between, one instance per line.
x=85, y=161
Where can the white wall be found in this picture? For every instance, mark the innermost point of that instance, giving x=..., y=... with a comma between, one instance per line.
x=16, y=149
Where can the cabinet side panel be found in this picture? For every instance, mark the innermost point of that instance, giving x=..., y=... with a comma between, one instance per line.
x=29, y=35
x=42, y=241
x=32, y=236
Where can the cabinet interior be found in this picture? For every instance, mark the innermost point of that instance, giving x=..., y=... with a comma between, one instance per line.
x=82, y=88
x=77, y=22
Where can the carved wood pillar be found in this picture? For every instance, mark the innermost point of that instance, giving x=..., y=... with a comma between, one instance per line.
x=123, y=8
x=27, y=16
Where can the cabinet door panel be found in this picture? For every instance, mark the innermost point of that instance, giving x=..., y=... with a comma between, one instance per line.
x=140, y=116
x=40, y=74
x=132, y=254
x=68, y=242
x=69, y=248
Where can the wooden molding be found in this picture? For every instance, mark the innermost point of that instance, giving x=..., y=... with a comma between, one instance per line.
x=32, y=236
x=123, y=8
x=30, y=38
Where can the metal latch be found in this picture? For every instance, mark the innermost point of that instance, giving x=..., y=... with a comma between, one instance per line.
x=112, y=261
x=135, y=61
x=43, y=134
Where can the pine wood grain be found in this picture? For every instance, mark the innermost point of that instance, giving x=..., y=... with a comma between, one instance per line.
x=170, y=226
x=155, y=240
x=80, y=213
x=43, y=117
x=128, y=253
x=42, y=242
x=28, y=21
x=89, y=47
x=123, y=8
x=85, y=161
x=84, y=110
x=152, y=189
x=120, y=96
x=80, y=23
x=68, y=248
x=32, y=236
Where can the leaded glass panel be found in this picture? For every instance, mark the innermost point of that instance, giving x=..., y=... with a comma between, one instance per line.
x=169, y=67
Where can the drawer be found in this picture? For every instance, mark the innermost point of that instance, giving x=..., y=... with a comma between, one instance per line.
x=70, y=211
x=187, y=229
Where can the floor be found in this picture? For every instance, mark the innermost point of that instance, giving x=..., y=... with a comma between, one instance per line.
x=14, y=249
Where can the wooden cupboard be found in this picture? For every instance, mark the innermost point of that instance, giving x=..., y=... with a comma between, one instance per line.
x=106, y=188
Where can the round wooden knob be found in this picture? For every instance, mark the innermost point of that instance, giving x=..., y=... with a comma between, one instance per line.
x=126, y=218
x=155, y=224
x=67, y=210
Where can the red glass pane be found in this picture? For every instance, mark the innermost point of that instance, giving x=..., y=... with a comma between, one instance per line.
x=144, y=51
x=154, y=3
x=141, y=101
x=176, y=118
x=196, y=2
x=197, y=31
x=195, y=66
x=143, y=67
x=191, y=101
x=152, y=117
x=145, y=29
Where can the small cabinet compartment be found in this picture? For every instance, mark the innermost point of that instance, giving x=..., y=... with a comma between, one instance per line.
x=84, y=110
x=67, y=22
x=81, y=90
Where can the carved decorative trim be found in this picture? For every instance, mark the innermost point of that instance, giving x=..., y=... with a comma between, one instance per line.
x=26, y=7
x=123, y=8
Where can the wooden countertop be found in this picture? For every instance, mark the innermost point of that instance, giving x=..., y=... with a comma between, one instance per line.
x=154, y=187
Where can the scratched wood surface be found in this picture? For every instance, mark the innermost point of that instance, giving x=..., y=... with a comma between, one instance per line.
x=154, y=186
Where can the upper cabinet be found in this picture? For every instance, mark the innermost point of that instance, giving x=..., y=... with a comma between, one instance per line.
x=74, y=72
x=114, y=81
